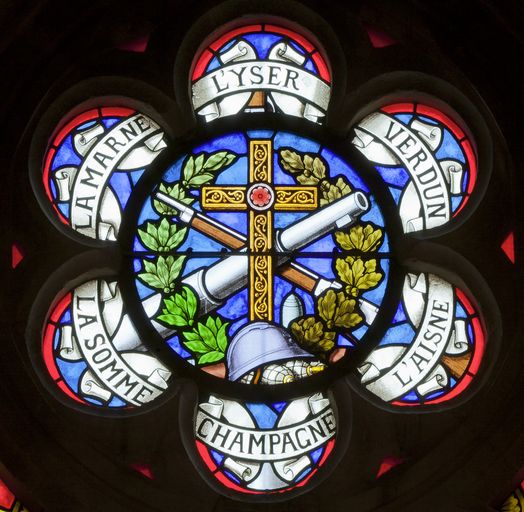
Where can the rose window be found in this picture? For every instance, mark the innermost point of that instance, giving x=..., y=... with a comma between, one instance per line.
x=257, y=272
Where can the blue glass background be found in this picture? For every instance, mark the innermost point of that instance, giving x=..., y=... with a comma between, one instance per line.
x=71, y=371
x=120, y=182
x=235, y=309
x=402, y=332
x=449, y=149
x=262, y=42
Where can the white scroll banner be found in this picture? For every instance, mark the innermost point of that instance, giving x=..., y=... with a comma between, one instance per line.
x=422, y=356
x=241, y=470
x=265, y=445
x=64, y=179
x=91, y=386
x=109, y=216
x=428, y=177
x=261, y=76
x=101, y=356
x=291, y=105
x=458, y=342
x=84, y=139
x=68, y=345
x=317, y=403
x=148, y=367
x=430, y=134
x=290, y=470
x=414, y=294
x=284, y=52
x=214, y=407
x=143, y=155
x=380, y=359
x=100, y=162
x=435, y=381
x=453, y=173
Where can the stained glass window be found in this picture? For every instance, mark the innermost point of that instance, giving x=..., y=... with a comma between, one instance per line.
x=264, y=448
x=8, y=501
x=92, y=165
x=93, y=353
x=261, y=68
x=433, y=348
x=270, y=276
x=425, y=158
x=223, y=209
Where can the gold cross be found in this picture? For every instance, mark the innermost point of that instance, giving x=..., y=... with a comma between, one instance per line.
x=260, y=198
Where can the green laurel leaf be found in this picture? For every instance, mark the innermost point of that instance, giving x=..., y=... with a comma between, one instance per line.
x=204, y=338
x=202, y=169
x=176, y=237
x=211, y=325
x=189, y=169
x=151, y=280
x=196, y=346
x=163, y=236
x=219, y=160
x=163, y=232
x=222, y=337
x=180, y=309
x=192, y=336
x=199, y=163
x=176, y=192
x=173, y=320
x=207, y=336
x=191, y=301
x=162, y=270
x=174, y=266
x=201, y=179
x=149, y=241
x=211, y=357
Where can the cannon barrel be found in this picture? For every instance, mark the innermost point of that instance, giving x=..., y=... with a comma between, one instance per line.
x=216, y=283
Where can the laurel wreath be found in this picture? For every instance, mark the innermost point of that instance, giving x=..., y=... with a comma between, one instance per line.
x=311, y=170
x=206, y=339
x=335, y=312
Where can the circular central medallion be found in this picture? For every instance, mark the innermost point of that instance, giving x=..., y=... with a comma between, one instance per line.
x=260, y=196
x=260, y=257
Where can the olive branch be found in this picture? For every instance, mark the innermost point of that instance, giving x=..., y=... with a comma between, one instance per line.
x=161, y=272
x=337, y=312
x=357, y=274
x=207, y=341
x=310, y=169
x=197, y=170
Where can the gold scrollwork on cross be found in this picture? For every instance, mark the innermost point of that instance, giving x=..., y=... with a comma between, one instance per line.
x=287, y=198
x=260, y=161
x=293, y=198
x=260, y=236
x=261, y=300
x=260, y=266
x=217, y=198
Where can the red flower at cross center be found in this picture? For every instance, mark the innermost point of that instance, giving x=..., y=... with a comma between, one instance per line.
x=260, y=196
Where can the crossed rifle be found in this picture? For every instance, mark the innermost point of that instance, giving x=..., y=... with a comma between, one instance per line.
x=219, y=281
